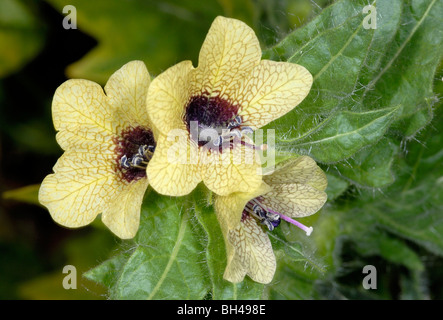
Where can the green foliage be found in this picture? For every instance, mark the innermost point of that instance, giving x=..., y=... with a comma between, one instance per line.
x=21, y=35
x=147, y=30
x=372, y=120
x=27, y=194
x=129, y=30
x=343, y=134
x=165, y=258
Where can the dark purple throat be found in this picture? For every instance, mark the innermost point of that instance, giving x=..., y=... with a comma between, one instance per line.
x=208, y=113
x=128, y=144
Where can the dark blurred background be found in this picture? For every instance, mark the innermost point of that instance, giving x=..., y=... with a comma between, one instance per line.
x=33, y=248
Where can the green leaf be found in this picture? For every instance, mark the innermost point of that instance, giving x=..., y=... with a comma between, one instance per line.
x=415, y=206
x=290, y=284
x=358, y=71
x=343, y=134
x=298, y=267
x=107, y=272
x=406, y=71
x=333, y=47
x=294, y=247
x=165, y=260
x=336, y=186
x=27, y=194
x=21, y=35
x=366, y=69
x=178, y=253
x=298, y=263
x=411, y=207
x=397, y=251
x=372, y=167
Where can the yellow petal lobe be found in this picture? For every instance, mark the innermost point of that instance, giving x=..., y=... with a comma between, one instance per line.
x=86, y=179
x=294, y=200
x=301, y=170
x=251, y=253
x=126, y=91
x=167, y=97
x=80, y=188
x=235, y=170
x=174, y=169
x=80, y=112
x=122, y=216
x=229, y=53
x=272, y=90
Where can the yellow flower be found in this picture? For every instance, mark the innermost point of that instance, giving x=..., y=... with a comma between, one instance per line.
x=294, y=189
x=107, y=140
x=211, y=108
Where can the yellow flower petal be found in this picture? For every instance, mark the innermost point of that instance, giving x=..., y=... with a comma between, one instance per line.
x=229, y=208
x=251, y=253
x=301, y=170
x=247, y=247
x=167, y=97
x=174, y=170
x=126, y=90
x=234, y=170
x=294, y=200
x=86, y=180
x=82, y=186
x=228, y=54
x=272, y=90
x=80, y=112
x=123, y=214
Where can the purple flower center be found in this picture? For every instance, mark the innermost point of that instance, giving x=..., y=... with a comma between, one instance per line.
x=134, y=149
x=203, y=112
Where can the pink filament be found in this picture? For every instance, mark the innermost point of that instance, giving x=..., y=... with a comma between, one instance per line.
x=306, y=229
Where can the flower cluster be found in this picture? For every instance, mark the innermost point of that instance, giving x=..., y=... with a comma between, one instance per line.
x=188, y=125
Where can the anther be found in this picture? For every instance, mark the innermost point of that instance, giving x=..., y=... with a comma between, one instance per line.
x=139, y=160
x=134, y=150
x=136, y=160
x=124, y=162
x=146, y=151
x=268, y=224
x=258, y=210
x=272, y=216
x=142, y=150
x=218, y=142
x=236, y=122
x=237, y=133
x=246, y=130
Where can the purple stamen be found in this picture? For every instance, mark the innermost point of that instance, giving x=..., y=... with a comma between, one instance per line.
x=306, y=229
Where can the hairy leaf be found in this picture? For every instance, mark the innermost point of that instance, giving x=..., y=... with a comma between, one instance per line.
x=360, y=72
x=166, y=258
x=343, y=134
